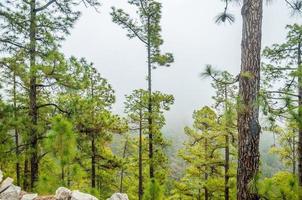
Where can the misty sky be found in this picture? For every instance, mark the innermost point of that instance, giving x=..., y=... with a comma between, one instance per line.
x=189, y=32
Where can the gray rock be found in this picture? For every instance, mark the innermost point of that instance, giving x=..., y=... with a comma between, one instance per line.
x=29, y=196
x=11, y=193
x=6, y=184
x=76, y=195
x=63, y=193
x=119, y=196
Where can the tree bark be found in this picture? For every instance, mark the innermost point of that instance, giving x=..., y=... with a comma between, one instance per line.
x=150, y=121
x=33, y=110
x=227, y=149
x=248, y=108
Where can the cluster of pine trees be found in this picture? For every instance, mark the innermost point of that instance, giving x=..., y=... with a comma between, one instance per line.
x=57, y=127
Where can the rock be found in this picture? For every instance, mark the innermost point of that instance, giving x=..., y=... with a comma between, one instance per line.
x=119, y=196
x=11, y=193
x=29, y=196
x=6, y=184
x=76, y=195
x=63, y=193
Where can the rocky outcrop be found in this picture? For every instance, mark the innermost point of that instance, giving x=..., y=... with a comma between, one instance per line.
x=12, y=192
x=8, y=191
x=63, y=193
x=77, y=195
x=29, y=197
x=118, y=196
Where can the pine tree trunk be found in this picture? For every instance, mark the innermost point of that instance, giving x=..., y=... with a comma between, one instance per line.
x=227, y=149
x=150, y=123
x=248, y=108
x=16, y=130
x=33, y=111
x=300, y=124
x=140, y=159
x=227, y=167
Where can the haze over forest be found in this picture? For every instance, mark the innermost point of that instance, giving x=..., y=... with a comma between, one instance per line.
x=150, y=100
x=187, y=26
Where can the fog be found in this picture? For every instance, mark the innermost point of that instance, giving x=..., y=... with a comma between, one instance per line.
x=189, y=32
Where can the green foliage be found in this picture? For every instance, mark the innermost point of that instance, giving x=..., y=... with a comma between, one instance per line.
x=147, y=28
x=153, y=191
x=282, y=185
x=62, y=141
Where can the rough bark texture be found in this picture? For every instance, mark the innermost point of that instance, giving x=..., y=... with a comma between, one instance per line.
x=33, y=110
x=248, y=108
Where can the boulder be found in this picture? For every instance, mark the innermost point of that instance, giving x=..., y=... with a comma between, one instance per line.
x=29, y=196
x=63, y=193
x=77, y=195
x=119, y=196
x=11, y=193
x=6, y=184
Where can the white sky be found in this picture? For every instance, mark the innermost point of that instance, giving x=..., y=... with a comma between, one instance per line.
x=190, y=33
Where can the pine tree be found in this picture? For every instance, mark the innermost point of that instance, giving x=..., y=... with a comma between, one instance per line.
x=31, y=27
x=136, y=106
x=203, y=155
x=287, y=144
x=147, y=30
x=285, y=61
x=62, y=144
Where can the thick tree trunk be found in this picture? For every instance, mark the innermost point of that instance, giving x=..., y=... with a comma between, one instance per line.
x=248, y=108
x=140, y=158
x=33, y=110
